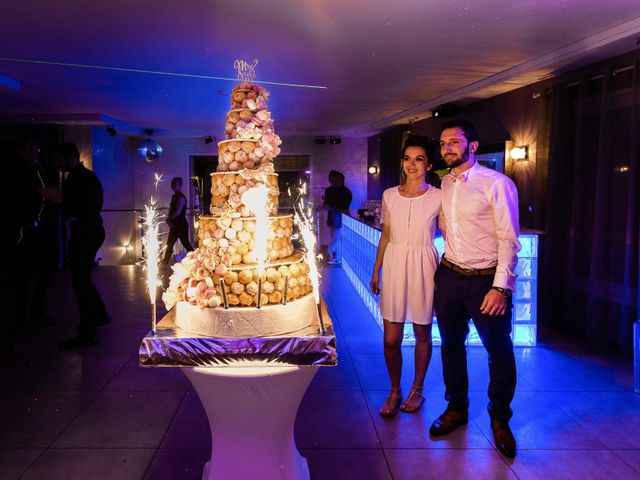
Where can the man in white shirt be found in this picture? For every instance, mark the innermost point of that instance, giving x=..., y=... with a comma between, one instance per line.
x=475, y=280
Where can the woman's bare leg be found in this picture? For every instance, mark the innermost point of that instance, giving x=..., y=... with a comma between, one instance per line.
x=422, y=356
x=393, y=357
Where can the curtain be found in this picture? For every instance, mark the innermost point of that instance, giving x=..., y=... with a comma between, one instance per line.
x=590, y=254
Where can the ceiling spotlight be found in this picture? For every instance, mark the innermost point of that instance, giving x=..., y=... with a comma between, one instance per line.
x=335, y=140
x=373, y=169
x=111, y=130
x=208, y=139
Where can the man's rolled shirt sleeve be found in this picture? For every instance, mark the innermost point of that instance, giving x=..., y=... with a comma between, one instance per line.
x=505, y=202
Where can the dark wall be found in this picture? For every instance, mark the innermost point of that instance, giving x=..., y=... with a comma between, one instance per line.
x=46, y=136
x=589, y=272
x=384, y=153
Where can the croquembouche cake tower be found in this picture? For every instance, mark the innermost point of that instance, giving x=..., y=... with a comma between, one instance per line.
x=244, y=279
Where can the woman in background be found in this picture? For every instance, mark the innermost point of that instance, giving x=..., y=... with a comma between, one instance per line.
x=177, y=221
x=337, y=199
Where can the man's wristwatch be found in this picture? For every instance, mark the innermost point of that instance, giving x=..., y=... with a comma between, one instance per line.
x=504, y=291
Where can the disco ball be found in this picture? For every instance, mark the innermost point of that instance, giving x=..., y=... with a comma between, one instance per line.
x=150, y=150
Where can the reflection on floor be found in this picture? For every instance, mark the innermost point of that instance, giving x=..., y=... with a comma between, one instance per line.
x=94, y=414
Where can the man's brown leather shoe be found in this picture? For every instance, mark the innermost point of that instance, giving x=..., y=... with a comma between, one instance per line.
x=503, y=438
x=448, y=422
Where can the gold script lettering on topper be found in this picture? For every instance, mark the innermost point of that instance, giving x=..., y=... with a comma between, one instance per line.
x=246, y=71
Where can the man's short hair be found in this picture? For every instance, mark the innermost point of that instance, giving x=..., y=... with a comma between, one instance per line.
x=468, y=129
x=68, y=149
x=429, y=146
x=175, y=180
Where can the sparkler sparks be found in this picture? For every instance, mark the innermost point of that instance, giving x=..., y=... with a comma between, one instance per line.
x=303, y=218
x=152, y=253
x=256, y=199
x=157, y=179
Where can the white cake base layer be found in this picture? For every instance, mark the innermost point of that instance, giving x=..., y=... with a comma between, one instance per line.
x=243, y=322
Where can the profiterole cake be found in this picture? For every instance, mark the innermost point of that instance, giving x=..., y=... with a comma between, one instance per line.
x=225, y=265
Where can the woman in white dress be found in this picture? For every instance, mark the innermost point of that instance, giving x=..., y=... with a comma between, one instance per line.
x=408, y=261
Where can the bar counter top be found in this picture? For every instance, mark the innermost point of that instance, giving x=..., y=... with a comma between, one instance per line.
x=375, y=225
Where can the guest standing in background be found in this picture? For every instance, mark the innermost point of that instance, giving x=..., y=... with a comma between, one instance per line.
x=81, y=199
x=475, y=281
x=337, y=199
x=39, y=246
x=23, y=205
x=48, y=243
x=177, y=221
x=408, y=261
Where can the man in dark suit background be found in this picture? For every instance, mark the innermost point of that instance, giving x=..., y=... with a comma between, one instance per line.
x=81, y=199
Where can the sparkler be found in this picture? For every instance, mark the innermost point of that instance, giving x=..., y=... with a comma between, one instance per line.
x=157, y=179
x=303, y=218
x=151, y=244
x=256, y=199
x=223, y=290
x=286, y=289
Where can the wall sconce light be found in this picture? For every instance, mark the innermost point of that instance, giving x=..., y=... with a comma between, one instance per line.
x=111, y=130
x=335, y=140
x=520, y=153
x=373, y=170
x=621, y=169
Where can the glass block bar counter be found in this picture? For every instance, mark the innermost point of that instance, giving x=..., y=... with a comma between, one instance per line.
x=359, y=245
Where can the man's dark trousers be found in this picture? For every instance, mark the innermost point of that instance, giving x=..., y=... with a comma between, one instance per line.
x=84, y=242
x=457, y=299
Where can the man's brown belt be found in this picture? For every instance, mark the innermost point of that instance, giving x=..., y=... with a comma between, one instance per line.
x=469, y=272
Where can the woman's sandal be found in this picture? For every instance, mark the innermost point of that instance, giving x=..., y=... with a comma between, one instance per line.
x=414, y=400
x=388, y=410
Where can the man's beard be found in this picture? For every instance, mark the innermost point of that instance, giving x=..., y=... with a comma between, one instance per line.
x=458, y=161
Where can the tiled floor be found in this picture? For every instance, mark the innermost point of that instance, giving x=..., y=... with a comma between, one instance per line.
x=94, y=414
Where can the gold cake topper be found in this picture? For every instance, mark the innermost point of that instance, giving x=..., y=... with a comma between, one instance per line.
x=246, y=71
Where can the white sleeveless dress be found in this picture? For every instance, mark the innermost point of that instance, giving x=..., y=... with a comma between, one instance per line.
x=410, y=260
